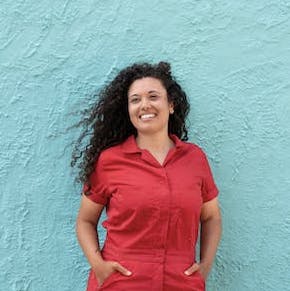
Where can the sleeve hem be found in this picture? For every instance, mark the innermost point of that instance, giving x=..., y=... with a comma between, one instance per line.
x=98, y=200
x=211, y=195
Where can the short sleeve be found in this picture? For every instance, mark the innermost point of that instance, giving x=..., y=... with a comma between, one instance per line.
x=97, y=190
x=209, y=189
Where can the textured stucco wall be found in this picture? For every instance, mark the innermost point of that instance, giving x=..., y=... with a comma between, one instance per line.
x=232, y=58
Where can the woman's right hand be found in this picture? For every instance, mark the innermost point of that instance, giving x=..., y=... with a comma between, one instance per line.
x=105, y=269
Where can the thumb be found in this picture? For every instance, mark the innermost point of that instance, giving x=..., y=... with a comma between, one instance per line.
x=122, y=269
x=192, y=269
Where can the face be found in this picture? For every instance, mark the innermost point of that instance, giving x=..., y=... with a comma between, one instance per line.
x=148, y=106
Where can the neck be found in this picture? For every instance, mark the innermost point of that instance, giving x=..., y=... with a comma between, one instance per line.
x=157, y=142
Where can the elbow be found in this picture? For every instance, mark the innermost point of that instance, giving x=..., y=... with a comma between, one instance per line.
x=212, y=224
x=82, y=223
x=79, y=225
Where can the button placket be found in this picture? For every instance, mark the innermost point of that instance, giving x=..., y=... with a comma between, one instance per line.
x=168, y=209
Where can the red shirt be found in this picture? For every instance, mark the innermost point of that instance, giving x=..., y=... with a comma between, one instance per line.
x=149, y=205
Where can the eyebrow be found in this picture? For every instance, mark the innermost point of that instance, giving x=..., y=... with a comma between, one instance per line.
x=151, y=91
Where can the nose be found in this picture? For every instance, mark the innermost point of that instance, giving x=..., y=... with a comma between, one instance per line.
x=145, y=103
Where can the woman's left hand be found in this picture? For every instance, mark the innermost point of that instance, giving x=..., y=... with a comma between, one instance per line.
x=197, y=267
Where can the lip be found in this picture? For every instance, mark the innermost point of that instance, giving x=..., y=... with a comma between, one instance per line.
x=148, y=118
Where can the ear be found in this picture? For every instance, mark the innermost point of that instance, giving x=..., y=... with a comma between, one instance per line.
x=171, y=107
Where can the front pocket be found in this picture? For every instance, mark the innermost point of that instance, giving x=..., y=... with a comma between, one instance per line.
x=196, y=280
x=201, y=276
x=141, y=277
x=108, y=280
x=193, y=282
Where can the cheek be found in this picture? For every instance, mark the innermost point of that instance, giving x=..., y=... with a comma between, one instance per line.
x=165, y=112
x=132, y=113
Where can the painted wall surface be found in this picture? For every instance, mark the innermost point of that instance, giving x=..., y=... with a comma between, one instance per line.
x=231, y=57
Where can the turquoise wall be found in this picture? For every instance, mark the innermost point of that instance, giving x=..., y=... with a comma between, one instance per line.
x=233, y=60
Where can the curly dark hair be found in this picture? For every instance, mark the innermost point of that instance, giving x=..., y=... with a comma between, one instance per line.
x=107, y=122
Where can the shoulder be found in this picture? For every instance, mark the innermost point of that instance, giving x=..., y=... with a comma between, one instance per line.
x=186, y=147
x=193, y=148
x=110, y=153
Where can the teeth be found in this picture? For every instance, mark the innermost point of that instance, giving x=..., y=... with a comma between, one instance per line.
x=147, y=116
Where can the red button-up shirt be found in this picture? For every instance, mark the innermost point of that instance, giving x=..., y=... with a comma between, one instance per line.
x=150, y=205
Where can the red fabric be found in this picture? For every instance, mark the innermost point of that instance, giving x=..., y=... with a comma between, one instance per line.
x=153, y=214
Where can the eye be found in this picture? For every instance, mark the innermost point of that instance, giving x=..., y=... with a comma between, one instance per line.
x=153, y=97
x=134, y=100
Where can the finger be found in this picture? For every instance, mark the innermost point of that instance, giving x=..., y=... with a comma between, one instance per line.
x=122, y=269
x=192, y=269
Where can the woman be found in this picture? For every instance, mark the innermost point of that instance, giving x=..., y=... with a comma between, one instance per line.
x=156, y=187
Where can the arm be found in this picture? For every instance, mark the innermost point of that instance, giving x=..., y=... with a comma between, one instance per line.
x=211, y=228
x=210, y=220
x=87, y=220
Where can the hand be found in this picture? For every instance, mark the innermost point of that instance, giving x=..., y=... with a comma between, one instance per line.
x=107, y=268
x=202, y=269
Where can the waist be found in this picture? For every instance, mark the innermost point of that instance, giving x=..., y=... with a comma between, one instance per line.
x=110, y=252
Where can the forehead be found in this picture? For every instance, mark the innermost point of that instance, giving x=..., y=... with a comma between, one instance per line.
x=145, y=85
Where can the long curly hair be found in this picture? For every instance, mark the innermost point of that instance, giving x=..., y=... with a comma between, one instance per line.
x=107, y=122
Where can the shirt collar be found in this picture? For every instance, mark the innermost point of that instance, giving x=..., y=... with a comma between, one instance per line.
x=130, y=145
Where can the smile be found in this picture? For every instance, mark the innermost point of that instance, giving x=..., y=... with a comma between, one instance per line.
x=147, y=116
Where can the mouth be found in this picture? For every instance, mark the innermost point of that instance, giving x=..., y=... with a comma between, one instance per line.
x=147, y=116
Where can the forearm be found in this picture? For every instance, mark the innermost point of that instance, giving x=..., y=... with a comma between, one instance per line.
x=209, y=239
x=89, y=241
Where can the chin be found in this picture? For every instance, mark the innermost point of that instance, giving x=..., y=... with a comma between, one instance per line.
x=149, y=130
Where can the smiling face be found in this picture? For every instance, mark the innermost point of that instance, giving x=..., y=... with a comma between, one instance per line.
x=148, y=106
